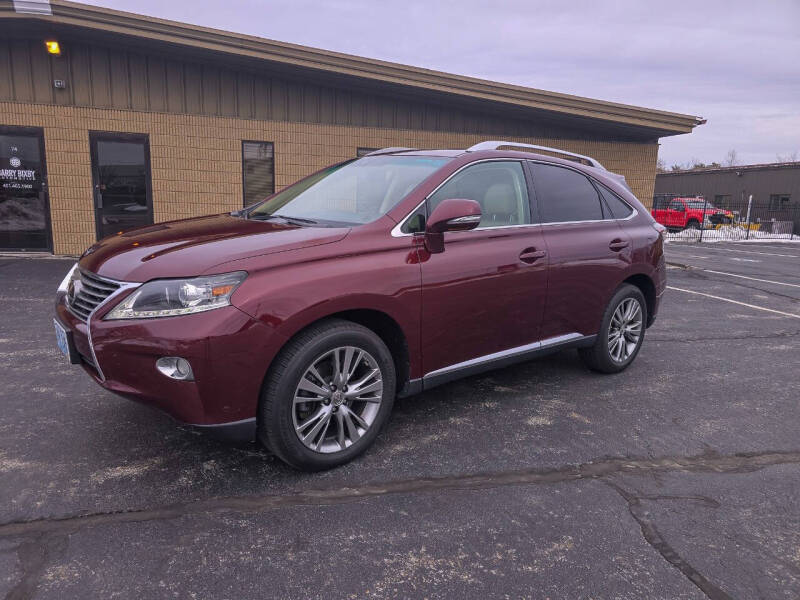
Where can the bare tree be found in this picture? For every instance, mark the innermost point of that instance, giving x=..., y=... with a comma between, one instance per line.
x=661, y=166
x=731, y=158
x=787, y=157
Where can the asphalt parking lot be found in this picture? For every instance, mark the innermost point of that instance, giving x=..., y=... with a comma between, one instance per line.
x=678, y=478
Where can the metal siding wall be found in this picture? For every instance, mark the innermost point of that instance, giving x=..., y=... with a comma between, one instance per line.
x=176, y=93
x=102, y=77
x=41, y=75
x=120, y=80
x=210, y=94
x=137, y=65
x=21, y=72
x=6, y=84
x=761, y=184
x=193, y=88
x=157, y=83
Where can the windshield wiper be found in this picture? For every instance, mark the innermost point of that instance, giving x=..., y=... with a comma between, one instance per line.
x=295, y=220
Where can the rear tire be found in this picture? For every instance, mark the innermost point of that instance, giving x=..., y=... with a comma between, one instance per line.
x=621, y=332
x=344, y=377
x=693, y=224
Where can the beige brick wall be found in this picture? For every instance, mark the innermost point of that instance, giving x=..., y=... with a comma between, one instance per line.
x=196, y=160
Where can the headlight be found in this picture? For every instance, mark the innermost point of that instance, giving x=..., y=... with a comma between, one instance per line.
x=73, y=274
x=172, y=297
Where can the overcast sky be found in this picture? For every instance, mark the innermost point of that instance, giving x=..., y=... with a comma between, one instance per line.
x=734, y=63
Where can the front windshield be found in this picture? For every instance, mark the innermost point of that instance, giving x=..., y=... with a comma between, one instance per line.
x=352, y=193
x=699, y=204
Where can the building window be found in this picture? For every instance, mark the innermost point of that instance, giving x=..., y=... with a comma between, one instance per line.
x=364, y=151
x=779, y=201
x=722, y=201
x=258, y=171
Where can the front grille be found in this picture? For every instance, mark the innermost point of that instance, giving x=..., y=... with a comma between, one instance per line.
x=87, y=293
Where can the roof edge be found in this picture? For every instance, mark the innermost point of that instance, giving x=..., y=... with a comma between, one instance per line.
x=757, y=167
x=126, y=23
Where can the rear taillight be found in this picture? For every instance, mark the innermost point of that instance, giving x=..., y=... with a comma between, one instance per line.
x=662, y=231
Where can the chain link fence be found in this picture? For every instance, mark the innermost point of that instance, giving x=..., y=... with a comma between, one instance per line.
x=694, y=218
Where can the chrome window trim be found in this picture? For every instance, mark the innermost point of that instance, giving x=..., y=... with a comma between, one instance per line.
x=511, y=352
x=396, y=230
x=628, y=218
x=123, y=286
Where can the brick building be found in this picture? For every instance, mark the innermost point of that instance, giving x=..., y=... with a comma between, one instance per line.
x=110, y=120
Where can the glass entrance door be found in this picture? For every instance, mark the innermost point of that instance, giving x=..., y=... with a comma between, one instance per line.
x=121, y=172
x=24, y=210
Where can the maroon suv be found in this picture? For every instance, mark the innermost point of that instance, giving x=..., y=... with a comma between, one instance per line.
x=299, y=320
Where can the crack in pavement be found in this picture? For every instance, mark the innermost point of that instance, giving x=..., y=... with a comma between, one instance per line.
x=653, y=537
x=34, y=555
x=708, y=462
x=771, y=336
x=45, y=539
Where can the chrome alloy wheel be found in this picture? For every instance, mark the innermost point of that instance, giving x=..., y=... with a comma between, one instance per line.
x=337, y=399
x=625, y=330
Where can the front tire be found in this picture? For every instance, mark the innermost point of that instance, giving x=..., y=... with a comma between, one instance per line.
x=621, y=332
x=327, y=396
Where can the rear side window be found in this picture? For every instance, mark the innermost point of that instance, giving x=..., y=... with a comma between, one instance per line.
x=498, y=186
x=564, y=195
x=677, y=205
x=618, y=208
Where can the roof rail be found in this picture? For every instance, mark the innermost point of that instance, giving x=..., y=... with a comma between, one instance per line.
x=389, y=151
x=494, y=145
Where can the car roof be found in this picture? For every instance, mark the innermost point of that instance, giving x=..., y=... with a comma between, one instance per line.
x=614, y=180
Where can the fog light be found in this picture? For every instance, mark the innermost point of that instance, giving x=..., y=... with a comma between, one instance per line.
x=175, y=367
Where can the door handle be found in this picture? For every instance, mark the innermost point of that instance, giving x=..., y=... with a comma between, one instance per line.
x=531, y=255
x=618, y=244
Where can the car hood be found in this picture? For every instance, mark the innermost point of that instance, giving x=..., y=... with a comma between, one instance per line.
x=191, y=247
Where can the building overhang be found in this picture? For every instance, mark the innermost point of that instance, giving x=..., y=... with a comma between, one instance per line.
x=530, y=102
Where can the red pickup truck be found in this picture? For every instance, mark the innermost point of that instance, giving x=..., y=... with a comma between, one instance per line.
x=689, y=213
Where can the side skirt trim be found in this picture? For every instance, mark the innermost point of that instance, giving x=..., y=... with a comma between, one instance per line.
x=505, y=358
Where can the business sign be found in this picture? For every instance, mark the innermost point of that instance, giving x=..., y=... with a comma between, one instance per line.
x=16, y=178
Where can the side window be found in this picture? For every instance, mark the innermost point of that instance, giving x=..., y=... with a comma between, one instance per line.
x=618, y=208
x=564, y=195
x=416, y=222
x=677, y=205
x=498, y=186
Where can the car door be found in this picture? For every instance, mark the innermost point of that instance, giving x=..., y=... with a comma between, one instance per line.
x=676, y=215
x=485, y=293
x=587, y=249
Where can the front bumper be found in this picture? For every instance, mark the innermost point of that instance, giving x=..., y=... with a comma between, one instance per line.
x=229, y=352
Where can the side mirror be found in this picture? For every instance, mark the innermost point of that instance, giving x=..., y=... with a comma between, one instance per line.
x=453, y=214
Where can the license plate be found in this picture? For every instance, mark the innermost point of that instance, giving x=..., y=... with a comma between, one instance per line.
x=61, y=338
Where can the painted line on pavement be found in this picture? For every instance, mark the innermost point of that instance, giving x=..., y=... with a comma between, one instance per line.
x=778, y=312
x=794, y=285
x=751, y=252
